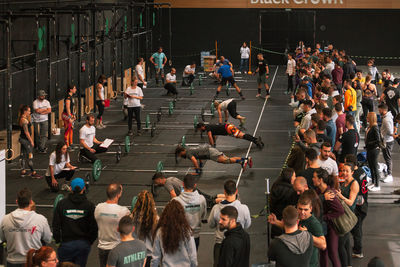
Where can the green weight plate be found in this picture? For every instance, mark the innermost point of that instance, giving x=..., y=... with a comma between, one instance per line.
x=160, y=166
x=147, y=121
x=96, y=172
x=58, y=199
x=212, y=108
x=183, y=142
x=170, y=108
x=127, y=144
x=133, y=203
x=195, y=121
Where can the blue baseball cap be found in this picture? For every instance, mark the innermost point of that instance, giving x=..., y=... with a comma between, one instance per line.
x=77, y=182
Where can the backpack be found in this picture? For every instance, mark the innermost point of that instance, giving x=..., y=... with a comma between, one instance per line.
x=362, y=196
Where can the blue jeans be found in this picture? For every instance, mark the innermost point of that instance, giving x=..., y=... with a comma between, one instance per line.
x=244, y=64
x=76, y=251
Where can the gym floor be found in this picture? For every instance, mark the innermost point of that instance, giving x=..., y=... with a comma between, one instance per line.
x=271, y=119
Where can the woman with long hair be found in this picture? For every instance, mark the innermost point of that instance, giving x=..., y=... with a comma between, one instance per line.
x=26, y=141
x=282, y=195
x=145, y=218
x=68, y=116
x=100, y=98
x=173, y=241
x=59, y=167
x=372, y=143
x=332, y=208
x=348, y=193
x=368, y=94
x=43, y=257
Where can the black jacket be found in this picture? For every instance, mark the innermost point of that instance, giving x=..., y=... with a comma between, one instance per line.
x=74, y=219
x=282, y=195
x=373, y=138
x=235, y=249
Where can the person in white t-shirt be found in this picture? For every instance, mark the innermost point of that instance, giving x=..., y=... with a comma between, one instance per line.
x=134, y=94
x=40, y=119
x=244, y=58
x=188, y=74
x=59, y=167
x=107, y=215
x=170, y=83
x=290, y=71
x=326, y=162
x=87, y=139
x=140, y=73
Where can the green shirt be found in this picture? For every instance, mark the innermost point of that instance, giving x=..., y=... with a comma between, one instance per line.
x=315, y=228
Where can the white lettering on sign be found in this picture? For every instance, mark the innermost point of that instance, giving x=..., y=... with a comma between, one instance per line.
x=297, y=2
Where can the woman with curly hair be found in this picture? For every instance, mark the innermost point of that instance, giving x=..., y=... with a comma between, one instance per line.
x=173, y=243
x=43, y=257
x=145, y=219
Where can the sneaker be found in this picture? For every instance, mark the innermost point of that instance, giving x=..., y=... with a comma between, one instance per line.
x=357, y=255
x=36, y=176
x=242, y=121
x=130, y=132
x=139, y=133
x=99, y=127
x=396, y=201
x=260, y=143
x=258, y=95
x=23, y=174
x=65, y=187
x=396, y=192
x=244, y=165
x=243, y=98
x=250, y=162
x=375, y=188
x=388, y=179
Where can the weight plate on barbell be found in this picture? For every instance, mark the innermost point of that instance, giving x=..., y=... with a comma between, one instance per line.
x=96, y=172
x=127, y=144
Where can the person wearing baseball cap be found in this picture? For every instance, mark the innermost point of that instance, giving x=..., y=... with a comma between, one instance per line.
x=40, y=119
x=74, y=225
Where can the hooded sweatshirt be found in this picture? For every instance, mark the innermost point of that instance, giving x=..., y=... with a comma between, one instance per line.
x=294, y=249
x=195, y=209
x=185, y=256
x=23, y=230
x=235, y=249
x=387, y=127
x=74, y=219
x=243, y=217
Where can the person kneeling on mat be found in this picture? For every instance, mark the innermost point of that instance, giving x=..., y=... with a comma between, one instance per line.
x=226, y=106
x=205, y=152
x=59, y=167
x=227, y=129
x=170, y=84
x=89, y=144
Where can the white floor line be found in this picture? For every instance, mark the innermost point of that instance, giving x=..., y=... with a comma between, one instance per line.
x=258, y=123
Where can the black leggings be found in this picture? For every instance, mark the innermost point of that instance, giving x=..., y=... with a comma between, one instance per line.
x=372, y=158
x=171, y=88
x=135, y=110
x=367, y=106
x=232, y=109
x=290, y=84
x=345, y=250
x=100, y=108
x=63, y=174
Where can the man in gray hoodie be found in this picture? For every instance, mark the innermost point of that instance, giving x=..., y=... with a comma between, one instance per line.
x=387, y=130
x=293, y=248
x=243, y=218
x=195, y=206
x=23, y=229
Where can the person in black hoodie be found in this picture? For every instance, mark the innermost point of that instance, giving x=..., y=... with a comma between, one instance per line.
x=235, y=249
x=294, y=247
x=74, y=225
x=282, y=195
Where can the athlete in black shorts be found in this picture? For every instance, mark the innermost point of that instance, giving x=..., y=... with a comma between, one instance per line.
x=227, y=129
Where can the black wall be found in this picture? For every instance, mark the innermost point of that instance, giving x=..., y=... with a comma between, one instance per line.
x=359, y=32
